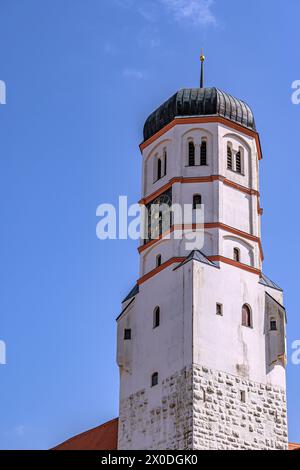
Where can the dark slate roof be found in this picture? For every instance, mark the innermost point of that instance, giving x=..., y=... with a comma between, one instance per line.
x=267, y=282
x=132, y=293
x=199, y=102
x=197, y=255
x=124, y=309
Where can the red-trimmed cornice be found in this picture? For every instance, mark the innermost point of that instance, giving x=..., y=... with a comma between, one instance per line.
x=208, y=225
x=159, y=269
x=218, y=258
x=243, y=266
x=201, y=120
x=199, y=179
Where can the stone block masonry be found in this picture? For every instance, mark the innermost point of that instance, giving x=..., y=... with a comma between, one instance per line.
x=230, y=412
x=169, y=425
x=201, y=409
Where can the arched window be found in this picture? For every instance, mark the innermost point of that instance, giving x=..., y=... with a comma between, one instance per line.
x=246, y=316
x=236, y=255
x=203, y=152
x=197, y=201
x=164, y=162
x=238, y=162
x=159, y=169
x=154, y=379
x=191, y=153
x=273, y=324
x=156, y=317
x=229, y=157
x=158, y=261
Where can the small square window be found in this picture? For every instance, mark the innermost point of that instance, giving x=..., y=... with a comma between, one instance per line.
x=127, y=334
x=219, y=309
x=273, y=325
x=243, y=396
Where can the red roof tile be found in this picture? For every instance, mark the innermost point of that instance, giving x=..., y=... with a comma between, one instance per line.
x=104, y=437
x=293, y=446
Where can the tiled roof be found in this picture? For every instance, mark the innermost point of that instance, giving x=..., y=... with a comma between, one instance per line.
x=293, y=446
x=104, y=437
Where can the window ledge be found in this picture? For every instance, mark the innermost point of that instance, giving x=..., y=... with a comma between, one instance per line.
x=235, y=172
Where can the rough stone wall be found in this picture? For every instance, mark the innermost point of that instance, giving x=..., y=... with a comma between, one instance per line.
x=204, y=409
x=167, y=426
x=222, y=421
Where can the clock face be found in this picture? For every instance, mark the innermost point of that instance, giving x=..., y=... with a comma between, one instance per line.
x=159, y=215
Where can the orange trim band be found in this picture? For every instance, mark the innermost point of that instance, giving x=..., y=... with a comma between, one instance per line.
x=200, y=120
x=219, y=225
x=175, y=260
x=200, y=179
x=159, y=269
x=152, y=242
x=245, y=267
x=233, y=230
x=241, y=188
x=159, y=191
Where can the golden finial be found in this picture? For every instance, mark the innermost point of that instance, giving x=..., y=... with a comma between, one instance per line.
x=202, y=59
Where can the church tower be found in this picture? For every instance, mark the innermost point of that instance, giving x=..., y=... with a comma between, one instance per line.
x=201, y=337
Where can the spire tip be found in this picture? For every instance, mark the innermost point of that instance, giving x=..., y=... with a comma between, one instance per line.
x=202, y=56
x=202, y=59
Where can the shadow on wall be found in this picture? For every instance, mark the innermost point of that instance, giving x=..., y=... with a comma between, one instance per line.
x=274, y=329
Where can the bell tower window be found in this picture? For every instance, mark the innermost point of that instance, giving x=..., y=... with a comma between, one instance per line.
x=229, y=157
x=203, y=152
x=159, y=168
x=164, y=169
x=238, y=162
x=191, y=153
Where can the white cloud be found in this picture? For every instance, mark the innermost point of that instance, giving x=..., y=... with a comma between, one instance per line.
x=196, y=11
x=134, y=73
x=149, y=12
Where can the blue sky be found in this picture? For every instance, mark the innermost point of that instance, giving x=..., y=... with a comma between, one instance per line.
x=81, y=77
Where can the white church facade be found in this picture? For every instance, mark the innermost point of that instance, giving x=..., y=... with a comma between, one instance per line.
x=201, y=343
